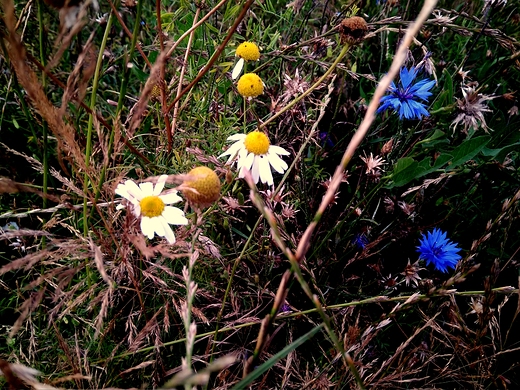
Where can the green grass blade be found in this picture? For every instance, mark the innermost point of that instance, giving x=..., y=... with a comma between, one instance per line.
x=272, y=361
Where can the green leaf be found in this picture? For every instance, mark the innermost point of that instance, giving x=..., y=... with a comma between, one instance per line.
x=408, y=169
x=166, y=17
x=142, y=76
x=446, y=96
x=436, y=135
x=500, y=153
x=468, y=149
x=275, y=358
x=499, y=149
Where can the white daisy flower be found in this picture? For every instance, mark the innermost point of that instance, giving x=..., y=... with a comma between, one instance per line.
x=255, y=153
x=149, y=204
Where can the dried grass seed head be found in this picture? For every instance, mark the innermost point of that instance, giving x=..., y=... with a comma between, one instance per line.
x=471, y=109
x=373, y=164
x=353, y=30
x=411, y=273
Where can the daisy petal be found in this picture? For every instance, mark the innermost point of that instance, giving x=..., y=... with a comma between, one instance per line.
x=168, y=232
x=170, y=198
x=134, y=190
x=265, y=170
x=174, y=216
x=247, y=162
x=237, y=69
x=146, y=188
x=158, y=226
x=255, y=171
x=160, y=185
x=278, y=150
x=147, y=227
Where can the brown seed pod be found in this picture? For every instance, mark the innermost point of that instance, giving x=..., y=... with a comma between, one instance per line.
x=353, y=30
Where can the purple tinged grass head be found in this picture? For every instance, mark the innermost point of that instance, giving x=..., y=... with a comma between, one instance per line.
x=436, y=249
x=407, y=96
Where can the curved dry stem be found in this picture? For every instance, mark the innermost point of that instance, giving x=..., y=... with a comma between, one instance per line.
x=361, y=132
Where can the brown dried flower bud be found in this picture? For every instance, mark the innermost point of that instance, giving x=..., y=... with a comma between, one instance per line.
x=353, y=30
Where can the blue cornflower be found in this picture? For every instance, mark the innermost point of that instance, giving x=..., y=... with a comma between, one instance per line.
x=325, y=139
x=405, y=98
x=437, y=249
x=361, y=241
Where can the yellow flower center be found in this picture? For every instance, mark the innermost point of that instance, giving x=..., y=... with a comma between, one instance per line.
x=248, y=51
x=257, y=142
x=151, y=206
x=206, y=184
x=250, y=85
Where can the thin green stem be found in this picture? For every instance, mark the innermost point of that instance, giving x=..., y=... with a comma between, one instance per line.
x=45, y=158
x=377, y=300
x=310, y=90
x=122, y=94
x=231, y=276
x=190, y=295
x=88, y=148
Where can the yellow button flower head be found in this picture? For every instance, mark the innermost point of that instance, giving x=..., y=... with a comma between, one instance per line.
x=155, y=94
x=247, y=51
x=202, y=187
x=255, y=153
x=250, y=85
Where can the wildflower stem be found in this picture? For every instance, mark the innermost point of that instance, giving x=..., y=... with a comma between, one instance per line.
x=506, y=290
x=216, y=54
x=88, y=148
x=310, y=136
x=231, y=276
x=117, y=14
x=190, y=295
x=121, y=100
x=310, y=90
x=296, y=270
x=181, y=76
x=45, y=125
x=360, y=134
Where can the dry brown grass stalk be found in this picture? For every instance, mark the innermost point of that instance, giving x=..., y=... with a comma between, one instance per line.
x=78, y=80
x=139, y=108
x=64, y=132
x=27, y=307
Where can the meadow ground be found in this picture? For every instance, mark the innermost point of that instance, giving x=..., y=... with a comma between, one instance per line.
x=259, y=194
